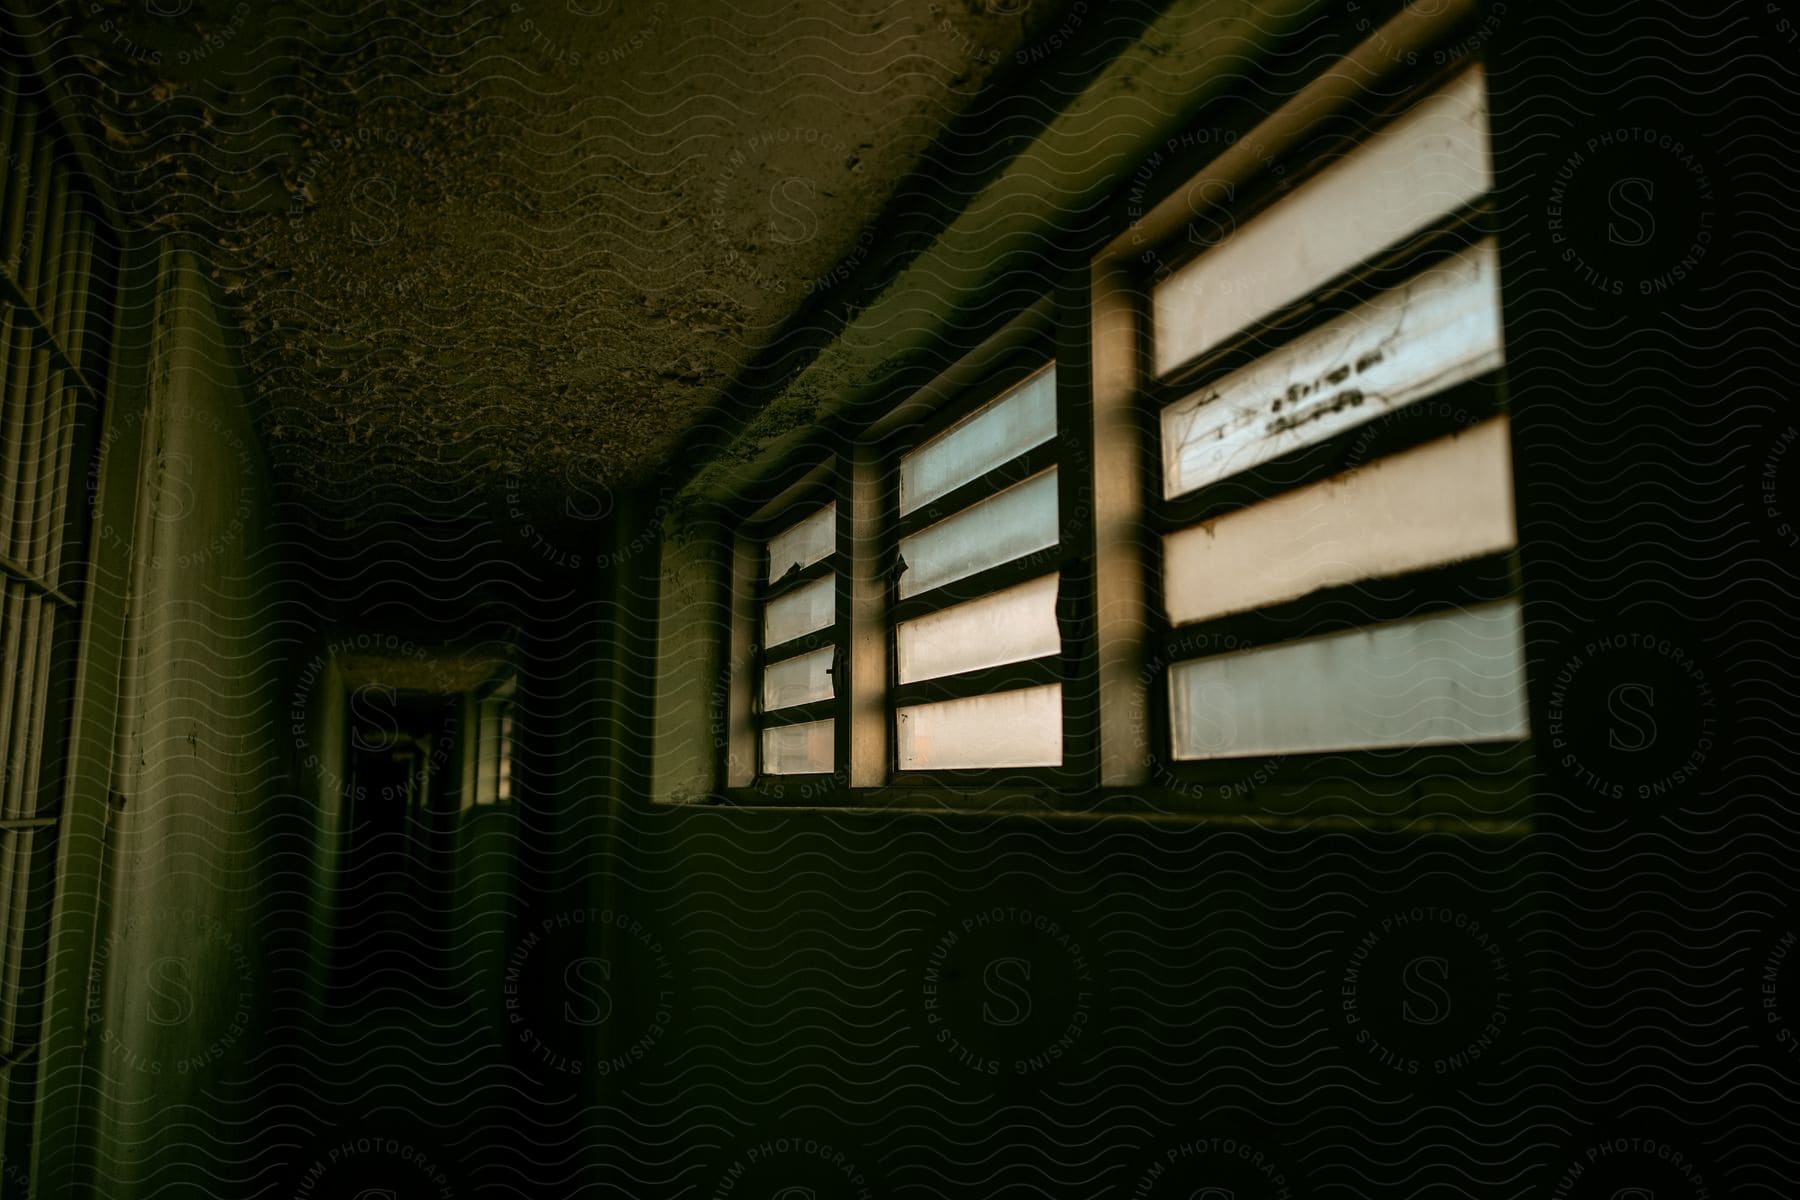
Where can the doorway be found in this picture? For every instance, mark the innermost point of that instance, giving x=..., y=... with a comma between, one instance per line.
x=402, y=794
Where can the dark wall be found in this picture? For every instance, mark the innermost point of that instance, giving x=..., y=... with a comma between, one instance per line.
x=1600, y=1003
x=696, y=999
x=183, y=994
x=1061, y=1006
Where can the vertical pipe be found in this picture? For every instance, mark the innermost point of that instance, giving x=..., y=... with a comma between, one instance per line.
x=46, y=196
x=12, y=437
x=27, y=543
x=37, y=713
x=58, y=483
x=10, y=868
x=20, y=748
x=81, y=294
x=9, y=115
x=20, y=192
x=12, y=615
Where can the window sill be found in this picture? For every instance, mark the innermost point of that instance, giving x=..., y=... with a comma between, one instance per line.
x=1487, y=806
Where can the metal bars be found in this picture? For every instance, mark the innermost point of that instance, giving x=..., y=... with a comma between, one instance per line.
x=53, y=289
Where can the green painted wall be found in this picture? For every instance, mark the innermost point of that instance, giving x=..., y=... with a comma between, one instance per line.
x=205, y=762
x=1071, y=1006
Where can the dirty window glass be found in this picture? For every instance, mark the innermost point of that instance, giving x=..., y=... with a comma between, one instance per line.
x=803, y=544
x=1445, y=501
x=993, y=434
x=807, y=609
x=1014, y=523
x=1430, y=161
x=799, y=680
x=976, y=647
x=1009, y=626
x=1449, y=677
x=1439, y=329
x=1420, y=528
x=803, y=749
x=799, y=624
x=1021, y=728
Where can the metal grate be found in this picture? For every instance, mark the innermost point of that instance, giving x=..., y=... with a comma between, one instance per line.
x=55, y=264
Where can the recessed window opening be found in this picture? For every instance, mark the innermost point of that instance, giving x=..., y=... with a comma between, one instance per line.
x=977, y=643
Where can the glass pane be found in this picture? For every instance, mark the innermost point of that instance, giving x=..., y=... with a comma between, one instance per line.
x=1431, y=160
x=995, y=433
x=798, y=680
x=1449, y=677
x=799, y=749
x=504, y=790
x=1438, y=329
x=1016, y=522
x=1006, y=729
x=1012, y=625
x=803, y=544
x=801, y=611
x=1447, y=500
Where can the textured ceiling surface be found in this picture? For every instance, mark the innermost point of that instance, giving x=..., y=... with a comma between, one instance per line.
x=516, y=247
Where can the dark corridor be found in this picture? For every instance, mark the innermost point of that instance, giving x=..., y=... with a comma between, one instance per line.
x=396, y=880
x=839, y=600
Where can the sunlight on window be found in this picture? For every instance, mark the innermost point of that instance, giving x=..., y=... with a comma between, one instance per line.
x=1430, y=161
x=1020, y=728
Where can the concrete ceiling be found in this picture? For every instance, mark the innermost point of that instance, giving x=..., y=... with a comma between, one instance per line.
x=504, y=248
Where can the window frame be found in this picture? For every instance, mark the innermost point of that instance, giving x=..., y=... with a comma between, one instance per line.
x=1003, y=372
x=817, y=488
x=1417, y=593
x=496, y=702
x=1094, y=322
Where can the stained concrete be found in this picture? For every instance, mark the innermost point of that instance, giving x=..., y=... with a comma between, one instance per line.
x=519, y=245
x=1142, y=111
x=205, y=765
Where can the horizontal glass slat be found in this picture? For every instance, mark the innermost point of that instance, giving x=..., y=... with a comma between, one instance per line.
x=1020, y=728
x=995, y=433
x=1439, y=329
x=1445, y=678
x=804, y=543
x=1430, y=161
x=799, y=680
x=1013, y=625
x=802, y=611
x=799, y=749
x=1015, y=522
x=1445, y=501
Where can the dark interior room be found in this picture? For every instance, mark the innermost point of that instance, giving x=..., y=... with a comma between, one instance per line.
x=643, y=599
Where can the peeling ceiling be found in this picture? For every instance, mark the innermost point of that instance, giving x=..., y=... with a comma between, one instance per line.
x=500, y=247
